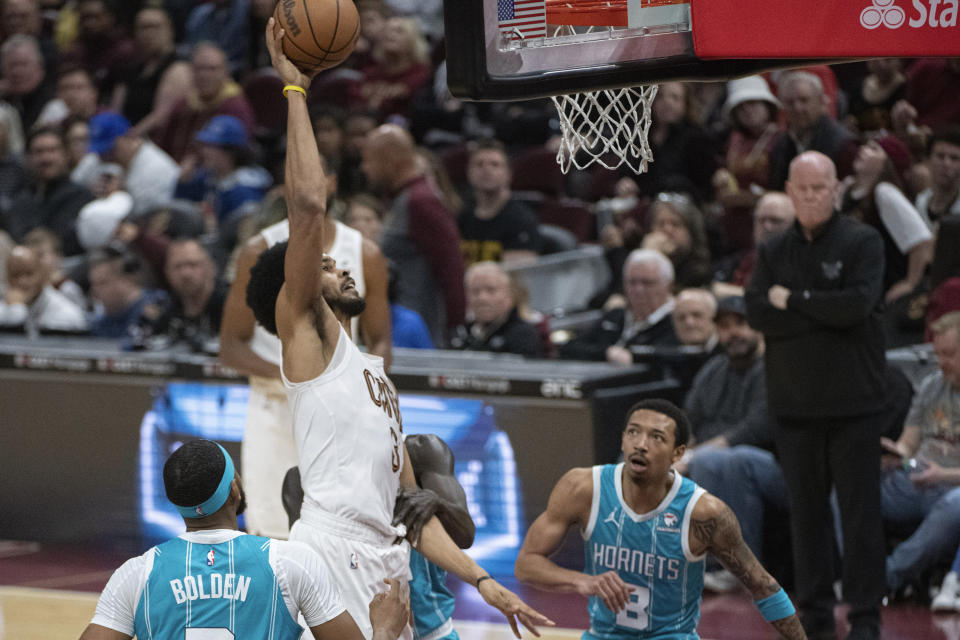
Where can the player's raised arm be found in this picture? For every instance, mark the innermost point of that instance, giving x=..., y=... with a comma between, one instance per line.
x=569, y=505
x=714, y=528
x=305, y=185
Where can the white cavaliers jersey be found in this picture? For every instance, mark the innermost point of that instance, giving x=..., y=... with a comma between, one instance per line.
x=349, y=438
x=347, y=250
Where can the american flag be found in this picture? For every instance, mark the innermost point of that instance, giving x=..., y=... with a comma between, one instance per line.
x=528, y=17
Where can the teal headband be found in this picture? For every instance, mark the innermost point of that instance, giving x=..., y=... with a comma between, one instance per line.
x=212, y=504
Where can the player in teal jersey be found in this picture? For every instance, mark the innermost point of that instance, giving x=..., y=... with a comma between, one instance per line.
x=440, y=494
x=646, y=531
x=431, y=603
x=216, y=583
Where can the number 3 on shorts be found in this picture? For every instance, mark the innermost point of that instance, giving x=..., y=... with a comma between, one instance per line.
x=634, y=615
x=208, y=634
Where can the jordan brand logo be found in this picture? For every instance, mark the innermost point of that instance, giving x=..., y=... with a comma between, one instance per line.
x=612, y=518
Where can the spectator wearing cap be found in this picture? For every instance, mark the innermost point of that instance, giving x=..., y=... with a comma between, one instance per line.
x=732, y=437
x=873, y=195
x=225, y=175
x=49, y=199
x=30, y=305
x=151, y=174
x=98, y=220
x=751, y=109
x=211, y=93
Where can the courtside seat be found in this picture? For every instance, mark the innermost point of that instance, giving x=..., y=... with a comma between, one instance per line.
x=454, y=160
x=572, y=215
x=537, y=170
x=334, y=87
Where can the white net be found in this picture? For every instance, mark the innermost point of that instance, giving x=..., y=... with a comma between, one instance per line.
x=606, y=127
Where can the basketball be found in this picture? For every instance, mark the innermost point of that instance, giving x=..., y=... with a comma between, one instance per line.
x=319, y=34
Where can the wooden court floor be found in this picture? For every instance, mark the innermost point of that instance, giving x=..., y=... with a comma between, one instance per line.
x=49, y=593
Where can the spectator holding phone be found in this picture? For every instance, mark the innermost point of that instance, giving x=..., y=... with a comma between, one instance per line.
x=921, y=482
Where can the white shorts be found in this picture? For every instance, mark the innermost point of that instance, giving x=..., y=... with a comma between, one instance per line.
x=358, y=558
x=268, y=451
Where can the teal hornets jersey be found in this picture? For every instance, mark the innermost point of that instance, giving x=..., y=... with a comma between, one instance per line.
x=431, y=603
x=217, y=591
x=651, y=552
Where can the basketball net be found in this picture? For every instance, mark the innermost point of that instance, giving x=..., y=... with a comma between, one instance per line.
x=607, y=127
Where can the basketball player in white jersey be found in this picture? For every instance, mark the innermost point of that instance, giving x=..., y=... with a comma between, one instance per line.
x=216, y=582
x=346, y=415
x=268, y=448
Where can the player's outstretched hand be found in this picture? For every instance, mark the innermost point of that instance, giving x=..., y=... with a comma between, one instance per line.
x=614, y=592
x=414, y=508
x=287, y=71
x=511, y=606
x=389, y=612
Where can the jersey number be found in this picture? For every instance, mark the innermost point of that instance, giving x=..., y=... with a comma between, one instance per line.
x=634, y=615
x=208, y=634
x=395, y=456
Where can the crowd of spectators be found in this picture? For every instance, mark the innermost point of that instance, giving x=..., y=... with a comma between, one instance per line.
x=141, y=146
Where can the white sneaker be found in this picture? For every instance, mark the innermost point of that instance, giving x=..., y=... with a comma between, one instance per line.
x=720, y=581
x=949, y=597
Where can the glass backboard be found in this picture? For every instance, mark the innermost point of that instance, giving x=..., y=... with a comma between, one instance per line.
x=521, y=49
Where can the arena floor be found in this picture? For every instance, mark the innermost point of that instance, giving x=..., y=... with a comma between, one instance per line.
x=49, y=593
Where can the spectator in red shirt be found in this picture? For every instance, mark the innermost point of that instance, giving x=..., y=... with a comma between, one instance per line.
x=420, y=234
x=400, y=68
x=213, y=93
x=102, y=47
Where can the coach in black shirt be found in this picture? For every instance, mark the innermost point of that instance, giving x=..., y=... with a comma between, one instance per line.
x=816, y=294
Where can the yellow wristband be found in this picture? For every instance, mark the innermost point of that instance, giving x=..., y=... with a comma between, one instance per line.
x=293, y=87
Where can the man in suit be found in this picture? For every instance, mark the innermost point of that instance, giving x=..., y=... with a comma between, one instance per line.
x=646, y=319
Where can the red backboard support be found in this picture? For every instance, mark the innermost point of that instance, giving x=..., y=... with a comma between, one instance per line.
x=743, y=29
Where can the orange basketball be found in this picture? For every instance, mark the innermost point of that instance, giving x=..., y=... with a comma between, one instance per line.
x=319, y=34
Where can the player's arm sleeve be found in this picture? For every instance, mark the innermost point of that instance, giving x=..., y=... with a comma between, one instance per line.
x=117, y=605
x=310, y=585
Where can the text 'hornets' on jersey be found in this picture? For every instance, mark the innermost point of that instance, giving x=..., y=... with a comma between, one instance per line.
x=608, y=557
